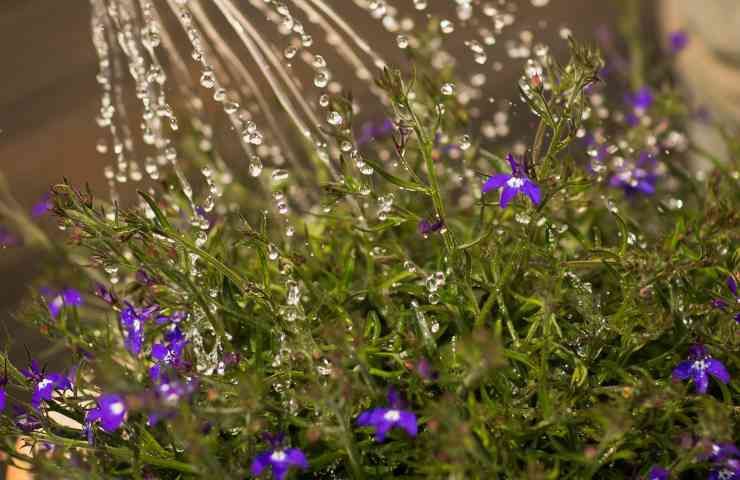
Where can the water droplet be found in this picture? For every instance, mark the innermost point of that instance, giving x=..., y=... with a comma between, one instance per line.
x=334, y=118
x=464, y=142
x=446, y=26
x=208, y=79
x=255, y=166
x=279, y=175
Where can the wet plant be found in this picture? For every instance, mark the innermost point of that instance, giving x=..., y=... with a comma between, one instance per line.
x=401, y=298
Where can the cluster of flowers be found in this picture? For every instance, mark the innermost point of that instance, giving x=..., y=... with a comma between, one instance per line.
x=381, y=419
x=725, y=460
x=169, y=389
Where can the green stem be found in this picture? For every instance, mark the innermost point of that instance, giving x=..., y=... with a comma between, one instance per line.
x=426, y=147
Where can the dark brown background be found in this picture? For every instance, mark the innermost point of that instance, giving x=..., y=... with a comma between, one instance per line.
x=49, y=97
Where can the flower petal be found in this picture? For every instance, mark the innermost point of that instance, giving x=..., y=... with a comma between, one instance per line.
x=496, y=181
x=381, y=429
x=506, y=195
x=159, y=351
x=512, y=162
x=296, y=458
x=394, y=398
x=260, y=463
x=370, y=417
x=658, y=473
x=646, y=187
x=701, y=380
x=682, y=370
x=533, y=191
x=55, y=306
x=718, y=370
x=407, y=421
x=72, y=297
x=732, y=284
x=279, y=470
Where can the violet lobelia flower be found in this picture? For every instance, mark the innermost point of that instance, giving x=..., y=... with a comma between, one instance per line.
x=281, y=460
x=7, y=238
x=642, y=99
x=43, y=206
x=167, y=395
x=3, y=382
x=45, y=383
x=132, y=321
x=26, y=421
x=658, y=473
x=722, y=303
x=637, y=179
x=719, y=452
x=105, y=294
x=727, y=470
x=56, y=301
x=173, y=318
x=698, y=368
x=374, y=130
x=512, y=184
x=383, y=419
x=427, y=227
x=110, y=412
x=678, y=41
x=168, y=355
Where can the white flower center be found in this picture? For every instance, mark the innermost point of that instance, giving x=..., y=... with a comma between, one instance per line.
x=700, y=365
x=515, y=182
x=278, y=456
x=117, y=408
x=44, y=383
x=724, y=474
x=392, y=415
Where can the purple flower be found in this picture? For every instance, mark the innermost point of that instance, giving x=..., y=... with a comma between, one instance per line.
x=168, y=355
x=372, y=130
x=678, y=41
x=174, y=318
x=385, y=419
x=58, y=300
x=425, y=370
x=698, y=367
x=722, y=304
x=42, y=207
x=281, y=460
x=45, y=383
x=658, y=473
x=110, y=412
x=427, y=227
x=8, y=239
x=26, y=421
x=168, y=393
x=132, y=321
x=642, y=99
x=3, y=382
x=639, y=179
x=730, y=470
x=719, y=452
x=512, y=184
x=105, y=294
x=144, y=278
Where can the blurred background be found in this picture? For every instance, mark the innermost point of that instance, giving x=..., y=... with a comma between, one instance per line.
x=49, y=99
